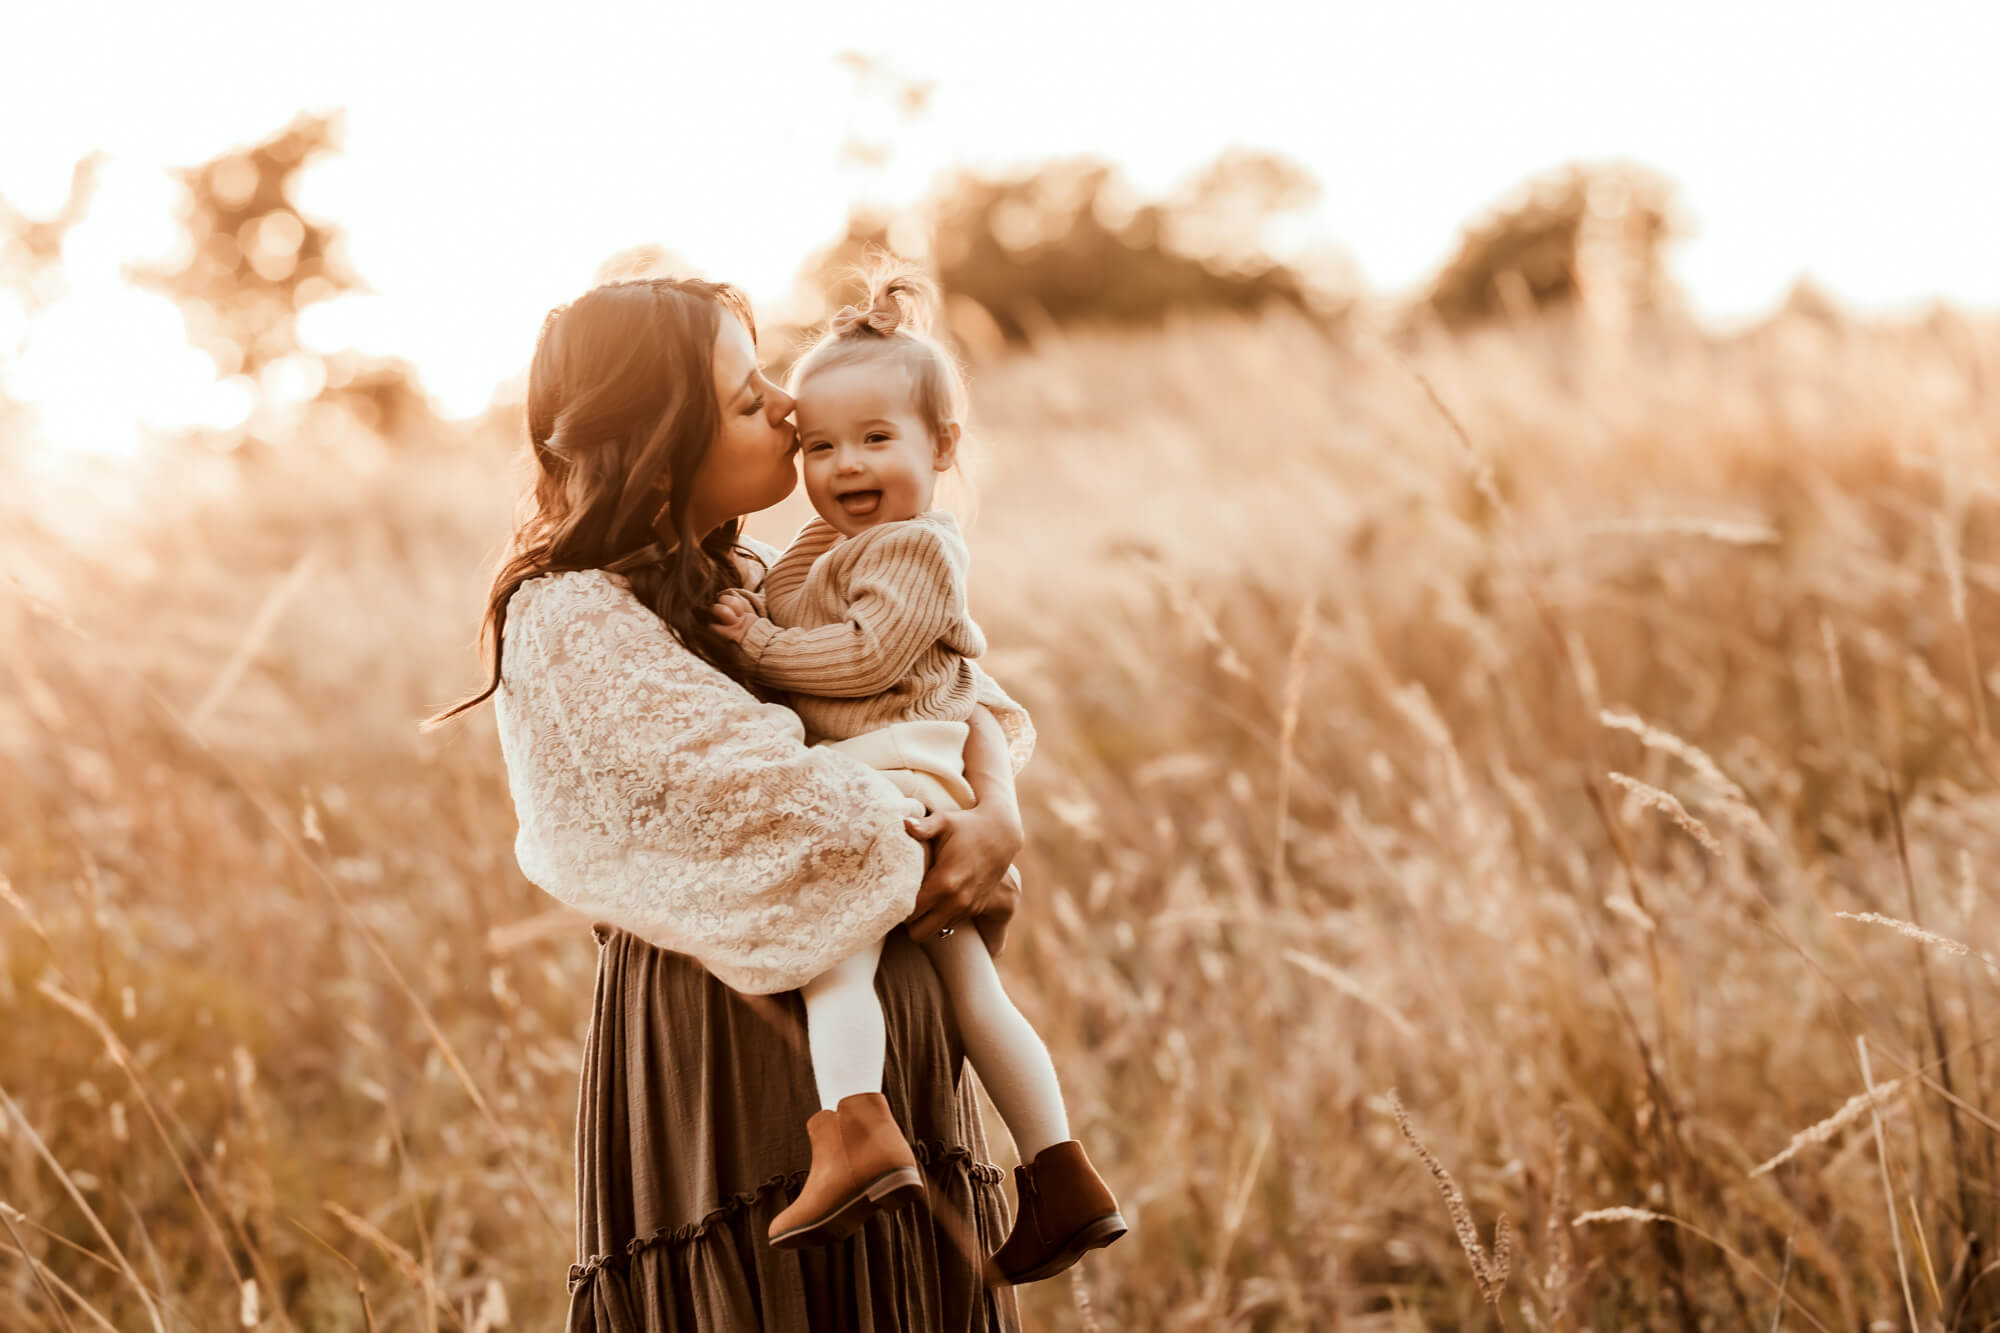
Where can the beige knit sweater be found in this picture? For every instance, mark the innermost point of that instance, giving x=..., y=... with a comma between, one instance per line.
x=870, y=630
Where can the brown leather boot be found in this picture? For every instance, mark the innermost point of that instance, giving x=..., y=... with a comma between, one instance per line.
x=861, y=1164
x=1065, y=1211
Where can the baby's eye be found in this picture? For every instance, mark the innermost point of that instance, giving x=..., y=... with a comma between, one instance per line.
x=818, y=446
x=875, y=435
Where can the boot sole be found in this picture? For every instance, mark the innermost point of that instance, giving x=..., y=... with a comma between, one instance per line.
x=891, y=1189
x=1092, y=1235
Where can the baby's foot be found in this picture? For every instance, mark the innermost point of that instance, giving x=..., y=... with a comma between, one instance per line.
x=1065, y=1211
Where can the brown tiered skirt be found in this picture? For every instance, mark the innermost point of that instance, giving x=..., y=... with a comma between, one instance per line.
x=691, y=1136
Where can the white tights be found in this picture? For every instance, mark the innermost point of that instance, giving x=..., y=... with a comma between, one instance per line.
x=844, y=1028
x=848, y=1041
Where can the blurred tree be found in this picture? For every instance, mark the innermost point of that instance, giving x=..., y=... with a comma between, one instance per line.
x=255, y=261
x=1225, y=213
x=1807, y=327
x=381, y=394
x=1810, y=302
x=31, y=266
x=1071, y=241
x=31, y=248
x=1589, y=236
x=832, y=277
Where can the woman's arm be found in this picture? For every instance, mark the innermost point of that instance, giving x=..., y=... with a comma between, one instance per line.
x=657, y=794
x=971, y=850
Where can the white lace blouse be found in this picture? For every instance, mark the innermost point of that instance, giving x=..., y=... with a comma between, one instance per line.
x=657, y=794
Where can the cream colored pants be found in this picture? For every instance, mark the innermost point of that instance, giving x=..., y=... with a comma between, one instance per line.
x=926, y=760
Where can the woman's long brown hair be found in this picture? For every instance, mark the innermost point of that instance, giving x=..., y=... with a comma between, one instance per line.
x=621, y=410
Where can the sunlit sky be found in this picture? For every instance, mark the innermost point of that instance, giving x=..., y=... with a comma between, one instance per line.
x=495, y=156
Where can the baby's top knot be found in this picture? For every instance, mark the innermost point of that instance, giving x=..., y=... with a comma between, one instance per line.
x=884, y=318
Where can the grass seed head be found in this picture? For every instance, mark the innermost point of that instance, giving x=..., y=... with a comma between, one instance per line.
x=1853, y=1109
x=1489, y=1273
x=1653, y=798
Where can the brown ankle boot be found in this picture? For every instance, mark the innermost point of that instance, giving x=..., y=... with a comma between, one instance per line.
x=861, y=1164
x=1065, y=1211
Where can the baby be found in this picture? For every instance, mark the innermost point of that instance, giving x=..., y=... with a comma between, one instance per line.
x=863, y=623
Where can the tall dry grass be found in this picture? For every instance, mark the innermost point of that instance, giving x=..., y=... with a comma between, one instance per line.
x=1335, y=653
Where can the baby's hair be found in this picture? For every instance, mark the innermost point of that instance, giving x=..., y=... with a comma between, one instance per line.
x=895, y=322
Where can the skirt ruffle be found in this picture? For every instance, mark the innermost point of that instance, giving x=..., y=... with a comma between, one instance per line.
x=691, y=1138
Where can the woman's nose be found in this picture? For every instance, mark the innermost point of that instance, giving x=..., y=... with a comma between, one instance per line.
x=781, y=404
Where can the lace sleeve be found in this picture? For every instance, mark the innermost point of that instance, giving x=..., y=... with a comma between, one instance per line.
x=658, y=795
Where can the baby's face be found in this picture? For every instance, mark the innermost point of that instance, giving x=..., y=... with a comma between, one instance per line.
x=867, y=455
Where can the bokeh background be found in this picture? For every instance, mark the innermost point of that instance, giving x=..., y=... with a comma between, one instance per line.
x=1492, y=508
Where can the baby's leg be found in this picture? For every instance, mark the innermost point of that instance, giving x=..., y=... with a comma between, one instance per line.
x=1010, y=1058
x=844, y=1028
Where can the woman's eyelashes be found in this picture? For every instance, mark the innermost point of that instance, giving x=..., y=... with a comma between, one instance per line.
x=756, y=406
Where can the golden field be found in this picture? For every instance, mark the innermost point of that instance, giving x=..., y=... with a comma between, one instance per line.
x=1537, y=775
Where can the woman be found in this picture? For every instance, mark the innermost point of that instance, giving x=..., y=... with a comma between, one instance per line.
x=712, y=846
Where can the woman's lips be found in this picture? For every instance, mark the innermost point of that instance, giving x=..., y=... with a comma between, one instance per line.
x=859, y=504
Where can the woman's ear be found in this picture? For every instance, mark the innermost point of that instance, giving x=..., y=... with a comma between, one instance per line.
x=944, y=452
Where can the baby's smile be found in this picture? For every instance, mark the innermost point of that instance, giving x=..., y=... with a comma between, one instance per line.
x=858, y=503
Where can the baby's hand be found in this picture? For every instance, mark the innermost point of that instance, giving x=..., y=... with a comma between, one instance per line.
x=733, y=615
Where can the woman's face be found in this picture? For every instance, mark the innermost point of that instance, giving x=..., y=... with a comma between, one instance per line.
x=752, y=463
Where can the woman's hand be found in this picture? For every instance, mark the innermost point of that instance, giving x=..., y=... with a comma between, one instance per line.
x=733, y=614
x=969, y=875
x=971, y=870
